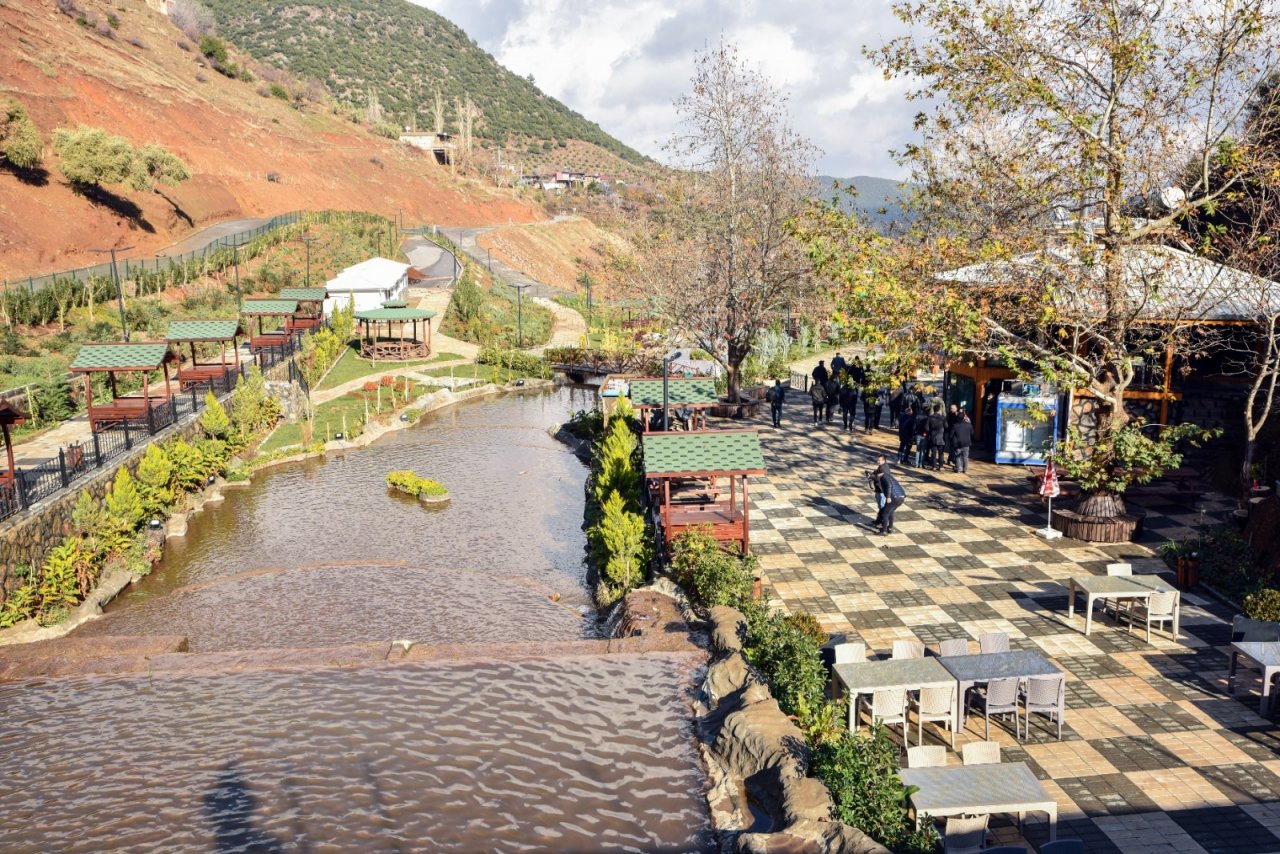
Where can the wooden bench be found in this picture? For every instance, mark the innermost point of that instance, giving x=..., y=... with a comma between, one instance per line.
x=120, y=410
x=270, y=340
x=194, y=375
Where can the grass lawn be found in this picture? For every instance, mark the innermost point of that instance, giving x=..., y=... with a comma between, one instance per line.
x=329, y=418
x=352, y=367
x=483, y=373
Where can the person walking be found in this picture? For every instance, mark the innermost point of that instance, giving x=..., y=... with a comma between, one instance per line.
x=961, y=441
x=896, y=399
x=820, y=373
x=857, y=372
x=833, y=397
x=777, y=395
x=894, y=496
x=882, y=394
x=906, y=435
x=818, y=394
x=922, y=437
x=848, y=402
x=838, y=364
x=868, y=408
x=937, y=438
x=953, y=418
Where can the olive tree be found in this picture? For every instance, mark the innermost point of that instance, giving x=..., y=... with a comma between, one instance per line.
x=90, y=157
x=20, y=142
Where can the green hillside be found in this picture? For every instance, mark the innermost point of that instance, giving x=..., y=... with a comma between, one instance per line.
x=403, y=52
x=880, y=201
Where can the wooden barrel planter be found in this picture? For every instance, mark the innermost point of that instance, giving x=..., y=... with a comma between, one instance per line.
x=1124, y=528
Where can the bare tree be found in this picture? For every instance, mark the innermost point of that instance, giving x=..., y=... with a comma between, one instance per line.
x=437, y=111
x=720, y=263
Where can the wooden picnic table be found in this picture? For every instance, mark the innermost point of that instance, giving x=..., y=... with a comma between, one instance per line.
x=1097, y=587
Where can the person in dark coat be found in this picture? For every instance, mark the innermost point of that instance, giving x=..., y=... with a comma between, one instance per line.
x=777, y=396
x=848, y=405
x=953, y=418
x=896, y=399
x=882, y=394
x=894, y=495
x=922, y=437
x=961, y=441
x=838, y=364
x=820, y=373
x=906, y=436
x=857, y=372
x=937, y=439
x=818, y=394
x=869, y=405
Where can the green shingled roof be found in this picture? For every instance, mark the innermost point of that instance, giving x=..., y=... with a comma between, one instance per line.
x=303, y=293
x=395, y=314
x=395, y=303
x=681, y=392
x=121, y=357
x=203, y=330
x=721, y=451
x=269, y=306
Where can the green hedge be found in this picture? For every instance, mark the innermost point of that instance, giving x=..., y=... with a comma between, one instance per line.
x=406, y=481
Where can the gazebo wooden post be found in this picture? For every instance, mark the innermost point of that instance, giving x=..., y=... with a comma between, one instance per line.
x=428, y=335
x=666, y=506
x=111, y=378
x=8, y=450
x=193, y=352
x=746, y=520
x=168, y=390
x=88, y=398
x=146, y=390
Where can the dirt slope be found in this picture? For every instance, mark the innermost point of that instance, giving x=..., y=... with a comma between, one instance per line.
x=230, y=136
x=555, y=252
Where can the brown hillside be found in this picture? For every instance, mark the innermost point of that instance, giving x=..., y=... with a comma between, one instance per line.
x=557, y=252
x=230, y=136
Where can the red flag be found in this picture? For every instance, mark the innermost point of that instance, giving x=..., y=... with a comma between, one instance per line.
x=1049, y=483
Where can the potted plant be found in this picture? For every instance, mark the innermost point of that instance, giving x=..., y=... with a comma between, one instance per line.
x=1184, y=557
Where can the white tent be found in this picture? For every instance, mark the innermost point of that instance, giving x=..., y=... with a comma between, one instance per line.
x=371, y=282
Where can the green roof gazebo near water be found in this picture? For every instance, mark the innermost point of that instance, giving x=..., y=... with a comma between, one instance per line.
x=692, y=393
x=143, y=356
x=310, y=312
x=688, y=474
x=398, y=317
x=193, y=332
x=262, y=309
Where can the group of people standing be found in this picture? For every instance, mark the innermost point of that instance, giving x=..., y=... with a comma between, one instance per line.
x=842, y=386
x=938, y=439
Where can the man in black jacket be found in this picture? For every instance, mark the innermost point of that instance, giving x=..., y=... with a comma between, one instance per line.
x=894, y=495
x=833, y=397
x=906, y=436
x=961, y=441
x=820, y=373
x=777, y=396
x=848, y=404
x=937, y=439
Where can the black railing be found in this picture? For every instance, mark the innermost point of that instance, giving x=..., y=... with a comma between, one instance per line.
x=76, y=461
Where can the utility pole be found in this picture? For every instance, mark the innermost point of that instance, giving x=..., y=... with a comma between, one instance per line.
x=115, y=276
x=520, y=315
x=308, y=239
x=488, y=253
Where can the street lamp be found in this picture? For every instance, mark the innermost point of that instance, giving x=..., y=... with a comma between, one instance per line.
x=115, y=276
x=520, y=315
x=308, y=239
x=666, y=372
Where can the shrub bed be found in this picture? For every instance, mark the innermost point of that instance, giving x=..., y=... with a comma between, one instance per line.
x=408, y=482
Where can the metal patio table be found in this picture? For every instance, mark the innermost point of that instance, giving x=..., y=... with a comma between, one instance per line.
x=1097, y=587
x=867, y=677
x=969, y=670
x=1006, y=787
x=1265, y=654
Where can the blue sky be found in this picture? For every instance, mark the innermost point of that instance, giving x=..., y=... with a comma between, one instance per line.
x=621, y=63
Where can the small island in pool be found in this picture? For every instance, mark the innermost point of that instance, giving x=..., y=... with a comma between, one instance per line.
x=428, y=491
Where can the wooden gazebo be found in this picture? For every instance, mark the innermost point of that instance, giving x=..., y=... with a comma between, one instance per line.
x=697, y=394
x=10, y=415
x=310, y=312
x=193, y=332
x=284, y=309
x=398, y=318
x=145, y=357
x=700, y=478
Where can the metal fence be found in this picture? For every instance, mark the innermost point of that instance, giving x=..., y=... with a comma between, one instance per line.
x=131, y=266
x=75, y=462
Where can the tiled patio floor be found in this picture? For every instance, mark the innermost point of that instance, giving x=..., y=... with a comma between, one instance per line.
x=1154, y=755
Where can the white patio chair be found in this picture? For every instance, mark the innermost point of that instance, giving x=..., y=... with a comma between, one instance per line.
x=1112, y=606
x=851, y=652
x=994, y=642
x=888, y=707
x=1159, y=609
x=1045, y=695
x=926, y=756
x=954, y=646
x=908, y=649
x=965, y=834
x=981, y=753
x=1000, y=698
x=937, y=705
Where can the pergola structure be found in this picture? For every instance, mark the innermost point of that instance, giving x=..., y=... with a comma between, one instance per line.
x=310, y=313
x=398, y=318
x=10, y=415
x=262, y=309
x=695, y=479
x=193, y=332
x=143, y=356
x=696, y=394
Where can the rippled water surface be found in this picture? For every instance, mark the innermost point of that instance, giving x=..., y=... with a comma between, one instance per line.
x=589, y=754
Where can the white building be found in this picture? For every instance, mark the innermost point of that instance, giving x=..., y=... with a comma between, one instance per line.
x=371, y=282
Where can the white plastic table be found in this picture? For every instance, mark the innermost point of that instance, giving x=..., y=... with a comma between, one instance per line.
x=1265, y=654
x=1005, y=787
x=867, y=677
x=970, y=670
x=1097, y=587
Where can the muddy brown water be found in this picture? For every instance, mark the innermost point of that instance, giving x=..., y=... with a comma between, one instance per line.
x=573, y=754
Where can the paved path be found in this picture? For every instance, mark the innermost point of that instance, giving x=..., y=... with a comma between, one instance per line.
x=1154, y=755
x=198, y=240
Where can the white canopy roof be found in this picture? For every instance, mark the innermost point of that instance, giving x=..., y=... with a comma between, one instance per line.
x=375, y=274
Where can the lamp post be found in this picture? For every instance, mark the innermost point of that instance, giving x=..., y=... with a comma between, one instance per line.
x=115, y=276
x=520, y=315
x=666, y=372
x=308, y=239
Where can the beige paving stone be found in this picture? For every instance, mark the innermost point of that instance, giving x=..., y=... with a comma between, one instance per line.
x=851, y=603
x=1066, y=644
x=1180, y=788
x=978, y=628
x=925, y=615
x=1147, y=833
x=1102, y=722
x=1200, y=748
x=1061, y=759
x=951, y=595
x=1127, y=691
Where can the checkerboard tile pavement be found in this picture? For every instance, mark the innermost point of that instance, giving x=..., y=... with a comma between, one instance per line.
x=1154, y=755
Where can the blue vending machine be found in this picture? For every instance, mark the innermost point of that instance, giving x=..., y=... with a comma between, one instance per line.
x=1025, y=427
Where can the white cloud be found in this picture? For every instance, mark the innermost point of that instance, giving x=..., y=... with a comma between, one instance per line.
x=622, y=63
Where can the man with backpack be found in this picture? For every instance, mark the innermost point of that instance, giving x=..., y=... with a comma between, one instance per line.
x=894, y=496
x=818, y=394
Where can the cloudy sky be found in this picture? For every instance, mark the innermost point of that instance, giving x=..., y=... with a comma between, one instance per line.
x=621, y=63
